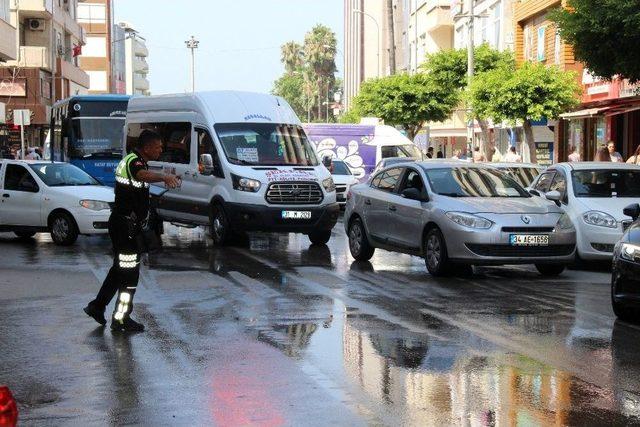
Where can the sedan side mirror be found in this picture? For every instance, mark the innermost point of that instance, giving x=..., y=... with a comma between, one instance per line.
x=554, y=196
x=632, y=210
x=206, y=164
x=412, y=194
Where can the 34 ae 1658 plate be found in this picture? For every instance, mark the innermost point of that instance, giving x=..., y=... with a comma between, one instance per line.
x=296, y=214
x=529, y=240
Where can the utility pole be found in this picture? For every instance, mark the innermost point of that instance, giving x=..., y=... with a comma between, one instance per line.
x=192, y=44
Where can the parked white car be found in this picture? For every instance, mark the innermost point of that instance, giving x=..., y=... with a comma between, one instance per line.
x=593, y=194
x=59, y=198
x=343, y=179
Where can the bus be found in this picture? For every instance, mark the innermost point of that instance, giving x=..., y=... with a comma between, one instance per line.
x=87, y=132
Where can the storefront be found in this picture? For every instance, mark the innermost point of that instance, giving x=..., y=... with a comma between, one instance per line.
x=610, y=112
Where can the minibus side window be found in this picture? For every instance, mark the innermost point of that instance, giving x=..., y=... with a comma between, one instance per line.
x=206, y=146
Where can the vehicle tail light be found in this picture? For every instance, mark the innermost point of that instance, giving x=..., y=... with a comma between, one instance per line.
x=8, y=408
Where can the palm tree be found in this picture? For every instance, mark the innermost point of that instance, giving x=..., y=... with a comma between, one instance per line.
x=320, y=52
x=291, y=56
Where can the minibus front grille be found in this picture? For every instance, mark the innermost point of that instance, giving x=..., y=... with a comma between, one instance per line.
x=294, y=193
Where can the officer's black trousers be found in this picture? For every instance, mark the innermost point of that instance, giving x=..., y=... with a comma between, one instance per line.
x=123, y=275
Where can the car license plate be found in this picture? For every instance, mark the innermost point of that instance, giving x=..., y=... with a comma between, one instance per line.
x=529, y=240
x=296, y=214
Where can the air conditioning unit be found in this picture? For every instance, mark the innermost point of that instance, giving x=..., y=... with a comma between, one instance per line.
x=36, y=24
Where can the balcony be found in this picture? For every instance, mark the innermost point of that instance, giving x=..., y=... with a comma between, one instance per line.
x=139, y=49
x=8, y=40
x=69, y=71
x=140, y=83
x=33, y=57
x=34, y=8
x=437, y=19
x=140, y=65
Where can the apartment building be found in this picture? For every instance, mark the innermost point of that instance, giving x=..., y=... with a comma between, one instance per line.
x=48, y=41
x=8, y=32
x=95, y=16
x=135, y=61
x=429, y=29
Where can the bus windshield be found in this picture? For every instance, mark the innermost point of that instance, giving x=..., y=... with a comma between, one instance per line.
x=96, y=137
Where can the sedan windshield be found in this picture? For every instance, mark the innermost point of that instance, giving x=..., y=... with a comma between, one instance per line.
x=62, y=174
x=97, y=138
x=266, y=144
x=340, y=168
x=473, y=182
x=606, y=183
x=524, y=176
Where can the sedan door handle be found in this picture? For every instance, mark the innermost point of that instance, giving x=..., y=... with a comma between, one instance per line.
x=6, y=196
x=367, y=202
x=392, y=208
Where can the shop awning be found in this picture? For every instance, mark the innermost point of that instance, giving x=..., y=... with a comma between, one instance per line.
x=622, y=110
x=441, y=133
x=584, y=114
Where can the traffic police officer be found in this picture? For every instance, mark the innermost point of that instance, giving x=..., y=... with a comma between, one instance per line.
x=125, y=224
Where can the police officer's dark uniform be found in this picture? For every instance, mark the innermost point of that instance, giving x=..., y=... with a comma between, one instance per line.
x=125, y=223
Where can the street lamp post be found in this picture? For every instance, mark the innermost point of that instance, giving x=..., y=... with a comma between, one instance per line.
x=192, y=44
x=377, y=38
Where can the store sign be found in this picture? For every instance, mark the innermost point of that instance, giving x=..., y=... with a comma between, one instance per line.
x=13, y=88
x=544, y=153
x=599, y=88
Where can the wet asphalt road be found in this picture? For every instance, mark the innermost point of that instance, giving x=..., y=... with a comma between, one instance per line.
x=280, y=333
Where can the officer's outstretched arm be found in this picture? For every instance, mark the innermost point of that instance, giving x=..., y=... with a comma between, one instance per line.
x=150, y=177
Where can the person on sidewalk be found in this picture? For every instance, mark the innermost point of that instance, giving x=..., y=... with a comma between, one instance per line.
x=478, y=157
x=574, y=156
x=127, y=219
x=512, y=156
x=615, y=156
x=635, y=159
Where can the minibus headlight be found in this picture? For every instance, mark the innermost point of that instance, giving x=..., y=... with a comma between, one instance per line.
x=246, y=184
x=328, y=185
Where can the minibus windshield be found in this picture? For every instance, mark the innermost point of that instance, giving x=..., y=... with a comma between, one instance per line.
x=266, y=144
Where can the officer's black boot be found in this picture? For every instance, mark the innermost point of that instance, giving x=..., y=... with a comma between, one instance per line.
x=96, y=313
x=121, y=320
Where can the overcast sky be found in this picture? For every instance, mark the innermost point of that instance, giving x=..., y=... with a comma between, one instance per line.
x=239, y=40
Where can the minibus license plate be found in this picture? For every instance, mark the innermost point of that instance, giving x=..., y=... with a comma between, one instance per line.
x=529, y=240
x=296, y=214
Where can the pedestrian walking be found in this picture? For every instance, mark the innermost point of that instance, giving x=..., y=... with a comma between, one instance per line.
x=456, y=154
x=430, y=152
x=439, y=155
x=512, y=156
x=602, y=155
x=574, y=156
x=125, y=224
x=635, y=159
x=615, y=156
x=495, y=155
x=32, y=154
x=478, y=157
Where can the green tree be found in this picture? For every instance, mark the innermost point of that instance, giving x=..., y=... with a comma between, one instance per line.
x=291, y=56
x=405, y=100
x=449, y=69
x=605, y=35
x=290, y=86
x=531, y=92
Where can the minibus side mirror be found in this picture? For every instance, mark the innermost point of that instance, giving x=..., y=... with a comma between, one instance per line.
x=206, y=164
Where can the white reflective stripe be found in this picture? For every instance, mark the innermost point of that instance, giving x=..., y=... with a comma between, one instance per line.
x=132, y=287
x=133, y=182
x=125, y=297
x=127, y=257
x=118, y=316
x=128, y=264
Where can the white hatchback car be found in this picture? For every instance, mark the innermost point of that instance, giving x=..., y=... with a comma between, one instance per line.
x=59, y=198
x=343, y=179
x=593, y=194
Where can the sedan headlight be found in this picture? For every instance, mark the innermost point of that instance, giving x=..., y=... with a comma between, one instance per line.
x=328, y=185
x=94, y=205
x=600, y=219
x=245, y=184
x=629, y=251
x=469, y=220
x=564, y=223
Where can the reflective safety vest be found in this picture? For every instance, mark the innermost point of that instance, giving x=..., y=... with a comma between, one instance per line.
x=123, y=173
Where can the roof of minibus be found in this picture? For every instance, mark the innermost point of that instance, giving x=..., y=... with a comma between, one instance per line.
x=221, y=106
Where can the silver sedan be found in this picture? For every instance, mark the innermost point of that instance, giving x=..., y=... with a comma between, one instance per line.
x=455, y=214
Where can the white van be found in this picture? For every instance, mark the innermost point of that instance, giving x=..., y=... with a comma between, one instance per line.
x=245, y=163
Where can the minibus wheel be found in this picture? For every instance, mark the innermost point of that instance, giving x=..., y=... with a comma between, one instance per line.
x=220, y=231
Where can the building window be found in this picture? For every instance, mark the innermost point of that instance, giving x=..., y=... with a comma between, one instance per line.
x=541, y=53
x=91, y=13
x=45, y=88
x=557, y=48
x=4, y=10
x=497, y=13
x=528, y=43
x=484, y=24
